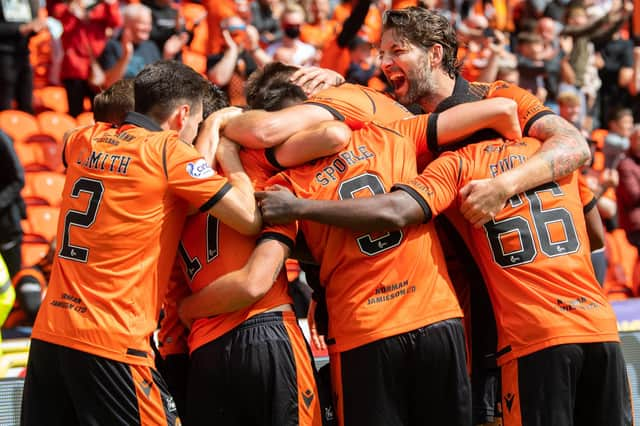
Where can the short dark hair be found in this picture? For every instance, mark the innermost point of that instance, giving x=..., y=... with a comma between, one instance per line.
x=260, y=81
x=424, y=28
x=113, y=104
x=160, y=87
x=214, y=99
x=279, y=96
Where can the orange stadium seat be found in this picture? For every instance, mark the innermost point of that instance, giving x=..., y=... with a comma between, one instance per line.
x=598, y=136
x=55, y=123
x=85, y=118
x=43, y=188
x=52, y=98
x=34, y=248
x=43, y=220
x=195, y=60
x=37, y=157
x=18, y=124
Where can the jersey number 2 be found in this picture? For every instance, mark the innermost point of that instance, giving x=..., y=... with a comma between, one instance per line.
x=369, y=245
x=541, y=221
x=82, y=219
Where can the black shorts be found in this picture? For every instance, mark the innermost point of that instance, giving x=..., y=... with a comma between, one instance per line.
x=65, y=386
x=578, y=384
x=415, y=378
x=260, y=373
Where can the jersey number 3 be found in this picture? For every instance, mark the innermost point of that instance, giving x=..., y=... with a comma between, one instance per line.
x=542, y=220
x=369, y=182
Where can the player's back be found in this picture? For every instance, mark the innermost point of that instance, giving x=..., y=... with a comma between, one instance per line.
x=118, y=230
x=210, y=249
x=535, y=257
x=356, y=104
x=375, y=285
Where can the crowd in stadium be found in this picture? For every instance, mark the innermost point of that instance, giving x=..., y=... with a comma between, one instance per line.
x=133, y=133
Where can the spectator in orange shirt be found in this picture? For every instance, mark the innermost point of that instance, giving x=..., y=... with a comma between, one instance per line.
x=320, y=29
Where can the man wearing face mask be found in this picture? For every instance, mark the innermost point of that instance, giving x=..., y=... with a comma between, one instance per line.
x=242, y=55
x=290, y=50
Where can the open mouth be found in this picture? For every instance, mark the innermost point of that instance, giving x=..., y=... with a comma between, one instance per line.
x=398, y=81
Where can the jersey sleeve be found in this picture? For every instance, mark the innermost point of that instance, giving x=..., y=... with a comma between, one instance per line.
x=172, y=335
x=286, y=233
x=436, y=188
x=419, y=129
x=587, y=196
x=190, y=177
x=530, y=108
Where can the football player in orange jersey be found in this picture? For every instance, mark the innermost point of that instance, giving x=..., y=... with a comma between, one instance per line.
x=558, y=346
x=125, y=199
x=418, y=53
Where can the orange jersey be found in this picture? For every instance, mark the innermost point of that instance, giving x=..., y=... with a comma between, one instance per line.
x=529, y=107
x=124, y=202
x=534, y=256
x=208, y=250
x=356, y=105
x=374, y=286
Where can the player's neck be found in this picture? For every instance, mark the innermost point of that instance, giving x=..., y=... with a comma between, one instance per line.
x=442, y=89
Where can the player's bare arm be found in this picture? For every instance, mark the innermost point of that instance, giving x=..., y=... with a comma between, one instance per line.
x=238, y=289
x=263, y=129
x=500, y=114
x=323, y=139
x=564, y=150
x=379, y=213
x=595, y=230
x=237, y=208
x=209, y=134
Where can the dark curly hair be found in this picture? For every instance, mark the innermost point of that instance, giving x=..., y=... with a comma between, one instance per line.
x=424, y=28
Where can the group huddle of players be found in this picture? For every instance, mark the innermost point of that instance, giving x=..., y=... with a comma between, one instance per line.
x=361, y=181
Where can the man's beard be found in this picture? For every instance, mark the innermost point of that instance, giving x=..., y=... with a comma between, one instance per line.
x=420, y=84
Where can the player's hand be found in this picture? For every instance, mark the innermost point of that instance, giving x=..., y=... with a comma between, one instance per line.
x=482, y=199
x=222, y=116
x=277, y=205
x=317, y=340
x=314, y=79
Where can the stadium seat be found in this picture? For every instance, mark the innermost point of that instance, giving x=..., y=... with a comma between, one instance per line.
x=34, y=248
x=36, y=157
x=53, y=98
x=55, y=123
x=18, y=124
x=195, y=60
x=598, y=136
x=43, y=188
x=43, y=220
x=85, y=119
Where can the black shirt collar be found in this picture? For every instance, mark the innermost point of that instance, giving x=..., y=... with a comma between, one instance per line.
x=460, y=95
x=141, y=120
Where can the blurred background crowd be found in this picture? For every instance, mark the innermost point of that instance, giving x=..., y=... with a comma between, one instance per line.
x=580, y=57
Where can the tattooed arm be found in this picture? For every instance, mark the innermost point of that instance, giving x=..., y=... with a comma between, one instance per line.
x=564, y=150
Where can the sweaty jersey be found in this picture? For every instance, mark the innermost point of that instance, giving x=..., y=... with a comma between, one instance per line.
x=377, y=285
x=534, y=255
x=209, y=249
x=124, y=202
